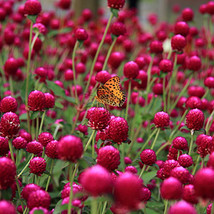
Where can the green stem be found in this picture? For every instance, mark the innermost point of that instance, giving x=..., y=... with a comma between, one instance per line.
x=25, y=166
x=98, y=51
x=156, y=137
x=28, y=63
x=94, y=205
x=196, y=164
x=181, y=94
x=89, y=141
x=42, y=122
x=207, y=128
x=49, y=176
x=56, y=130
x=75, y=122
x=177, y=127
x=191, y=142
x=166, y=205
x=109, y=52
x=149, y=78
x=71, y=185
x=142, y=170
x=11, y=85
x=128, y=99
x=162, y=147
x=104, y=207
x=146, y=143
x=74, y=70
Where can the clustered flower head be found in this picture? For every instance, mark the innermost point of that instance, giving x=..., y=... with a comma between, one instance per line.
x=62, y=149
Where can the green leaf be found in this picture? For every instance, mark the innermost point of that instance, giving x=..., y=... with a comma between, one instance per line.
x=114, y=12
x=147, y=176
x=113, y=37
x=32, y=18
x=58, y=91
x=34, y=115
x=38, y=211
x=57, y=32
x=23, y=116
x=59, y=105
x=59, y=207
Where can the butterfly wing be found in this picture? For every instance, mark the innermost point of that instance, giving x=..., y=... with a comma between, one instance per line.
x=110, y=93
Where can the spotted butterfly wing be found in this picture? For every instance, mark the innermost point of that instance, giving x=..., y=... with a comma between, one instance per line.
x=110, y=93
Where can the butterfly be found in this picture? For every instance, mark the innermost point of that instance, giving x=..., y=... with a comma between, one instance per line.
x=110, y=93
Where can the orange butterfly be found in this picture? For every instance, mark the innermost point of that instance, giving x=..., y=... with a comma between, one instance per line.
x=110, y=93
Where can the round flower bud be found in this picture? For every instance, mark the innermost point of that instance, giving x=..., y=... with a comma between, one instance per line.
x=34, y=147
x=178, y=42
x=171, y=189
x=9, y=125
x=195, y=119
x=8, y=104
x=44, y=138
x=70, y=148
x=187, y=14
x=165, y=65
x=181, y=174
x=161, y=119
x=37, y=166
x=118, y=129
x=108, y=157
x=189, y=194
x=36, y=101
x=181, y=28
x=28, y=189
x=203, y=183
x=185, y=160
x=7, y=172
x=180, y=143
x=7, y=207
x=96, y=180
x=131, y=70
x=148, y=157
x=51, y=149
x=116, y=4
x=182, y=207
x=81, y=34
x=118, y=28
x=98, y=118
x=49, y=100
x=32, y=7
x=129, y=185
x=39, y=198
x=19, y=143
x=4, y=146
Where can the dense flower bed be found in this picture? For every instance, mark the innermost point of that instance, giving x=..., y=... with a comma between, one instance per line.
x=100, y=116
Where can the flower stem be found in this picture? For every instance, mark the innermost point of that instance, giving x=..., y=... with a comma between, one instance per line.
x=156, y=137
x=109, y=52
x=90, y=139
x=71, y=185
x=207, y=128
x=104, y=207
x=74, y=70
x=49, y=177
x=142, y=171
x=196, y=164
x=42, y=122
x=98, y=51
x=128, y=99
x=146, y=143
x=94, y=206
x=25, y=166
x=166, y=205
x=191, y=142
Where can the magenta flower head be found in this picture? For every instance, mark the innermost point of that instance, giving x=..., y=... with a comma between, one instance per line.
x=9, y=125
x=194, y=63
x=118, y=28
x=131, y=70
x=148, y=157
x=39, y=198
x=51, y=149
x=7, y=207
x=130, y=186
x=161, y=119
x=4, y=146
x=187, y=14
x=178, y=42
x=32, y=7
x=203, y=183
x=7, y=172
x=98, y=118
x=182, y=207
x=108, y=157
x=118, y=129
x=171, y=189
x=37, y=165
x=36, y=101
x=195, y=119
x=165, y=65
x=116, y=4
x=70, y=148
x=97, y=181
x=81, y=34
x=44, y=138
x=28, y=189
x=8, y=104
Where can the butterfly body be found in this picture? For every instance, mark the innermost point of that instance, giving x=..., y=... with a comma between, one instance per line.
x=110, y=93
